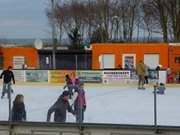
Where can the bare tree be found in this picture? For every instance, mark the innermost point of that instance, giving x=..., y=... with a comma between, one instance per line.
x=118, y=19
x=173, y=9
x=159, y=15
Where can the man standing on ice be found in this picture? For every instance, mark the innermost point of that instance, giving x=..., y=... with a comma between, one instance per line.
x=140, y=70
x=8, y=77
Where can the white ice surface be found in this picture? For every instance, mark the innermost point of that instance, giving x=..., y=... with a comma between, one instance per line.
x=118, y=105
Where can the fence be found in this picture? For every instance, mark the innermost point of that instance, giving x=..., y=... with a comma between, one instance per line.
x=87, y=76
x=108, y=103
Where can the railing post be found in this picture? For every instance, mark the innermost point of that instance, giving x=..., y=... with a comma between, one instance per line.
x=155, y=108
x=10, y=111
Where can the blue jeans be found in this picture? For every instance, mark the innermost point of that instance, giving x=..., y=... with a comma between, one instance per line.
x=79, y=115
x=6, y=88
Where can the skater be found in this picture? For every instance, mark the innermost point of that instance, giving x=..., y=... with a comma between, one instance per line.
x=8, y=77
x=160, y=89
x=80, y=103
x=75, y=94
x=18, y=110
x=76, y=83
x=69, y=84
x=140, y=70
x=146, y=75
x=60, y=107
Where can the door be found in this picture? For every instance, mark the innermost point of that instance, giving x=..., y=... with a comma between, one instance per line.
x=129, y=61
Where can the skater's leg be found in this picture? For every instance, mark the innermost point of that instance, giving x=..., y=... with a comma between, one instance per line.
x=9, y=89
x=139, y=81
x=4, y=90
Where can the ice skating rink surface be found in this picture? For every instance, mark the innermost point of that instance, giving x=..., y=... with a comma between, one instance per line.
x=105, y=104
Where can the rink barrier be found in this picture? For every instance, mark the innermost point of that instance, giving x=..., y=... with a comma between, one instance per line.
x=86, y=76
x=130, y=85
x=40, y=128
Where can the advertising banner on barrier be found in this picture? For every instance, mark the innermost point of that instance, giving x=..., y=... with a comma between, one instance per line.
x=19, y=75
x=58, y=76
x=36, y=75
x=90, y=76
x=116, y=76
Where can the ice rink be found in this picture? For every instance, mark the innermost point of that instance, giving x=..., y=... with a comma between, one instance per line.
x=117, y=105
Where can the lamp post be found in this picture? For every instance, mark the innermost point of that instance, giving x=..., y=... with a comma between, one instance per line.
x=53, y=35
x=155, y=108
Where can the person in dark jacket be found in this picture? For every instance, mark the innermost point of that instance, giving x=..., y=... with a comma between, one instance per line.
x=80, y=103
x=8, y=77
x=160, y=88
x=60, y=107
x=69, y=84
x=18, y=110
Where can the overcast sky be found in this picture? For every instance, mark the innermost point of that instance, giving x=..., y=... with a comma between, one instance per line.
x=23, y=19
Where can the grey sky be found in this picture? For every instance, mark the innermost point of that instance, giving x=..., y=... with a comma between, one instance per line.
x=23, y=19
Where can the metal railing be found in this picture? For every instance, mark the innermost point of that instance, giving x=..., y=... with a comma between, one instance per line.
x=30, y=128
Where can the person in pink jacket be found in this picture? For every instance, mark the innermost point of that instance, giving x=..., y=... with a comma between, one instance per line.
x=80, y=103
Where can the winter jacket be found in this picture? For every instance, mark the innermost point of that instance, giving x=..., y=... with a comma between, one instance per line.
x=140, y=69
x=59, y=108
x=7, y=76
x=69, y=84
x=69, y=81
x=80, y=101
x=18, y=112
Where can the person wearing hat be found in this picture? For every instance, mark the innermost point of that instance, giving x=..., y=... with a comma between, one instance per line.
x=8, y=77
x=60, y=107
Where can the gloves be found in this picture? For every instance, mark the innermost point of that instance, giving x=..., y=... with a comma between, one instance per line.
x=84, y=108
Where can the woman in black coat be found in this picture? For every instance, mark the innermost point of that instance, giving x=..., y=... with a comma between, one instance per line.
x=18, y=110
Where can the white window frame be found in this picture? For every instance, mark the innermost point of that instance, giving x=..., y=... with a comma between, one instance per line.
x=152, y=54
x=101, y=60
x=15, y=62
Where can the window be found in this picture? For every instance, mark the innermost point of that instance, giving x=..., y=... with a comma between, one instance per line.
x=177, y=60
x=1, y=61
x=18, y=62
x=107, y=61
x=152, y=60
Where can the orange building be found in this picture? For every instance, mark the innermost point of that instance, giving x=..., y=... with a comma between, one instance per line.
x=17, y=57
x=126, y=55
x=174, y=58
x=104, y=55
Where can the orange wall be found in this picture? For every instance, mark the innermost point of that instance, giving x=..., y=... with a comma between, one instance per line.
x=174, y=51
x=138, y=48
x=30, y=54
